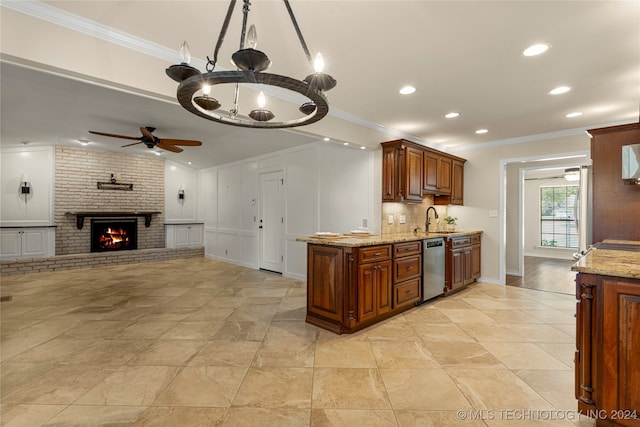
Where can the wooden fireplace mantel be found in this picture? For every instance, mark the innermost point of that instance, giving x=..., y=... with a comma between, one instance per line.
x=80, y=216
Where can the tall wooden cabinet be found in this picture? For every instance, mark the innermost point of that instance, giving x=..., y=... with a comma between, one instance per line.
x=607, y=359
x=410, y=170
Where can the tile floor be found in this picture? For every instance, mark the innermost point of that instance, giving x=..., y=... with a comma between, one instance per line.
x=200, y=342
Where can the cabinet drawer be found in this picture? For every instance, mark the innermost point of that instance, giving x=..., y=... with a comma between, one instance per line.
x=406, y=292
x=475, y=238
x=374, y=253
x=406, y=268
x=407, y=248
x=457, y=242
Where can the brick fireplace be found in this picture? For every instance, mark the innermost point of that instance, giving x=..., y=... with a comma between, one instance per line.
x=77, y=173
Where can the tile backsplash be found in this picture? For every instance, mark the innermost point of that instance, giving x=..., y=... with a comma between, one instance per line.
x=414, y=215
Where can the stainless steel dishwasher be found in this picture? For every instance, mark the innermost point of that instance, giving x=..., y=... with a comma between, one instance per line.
x=433, y=268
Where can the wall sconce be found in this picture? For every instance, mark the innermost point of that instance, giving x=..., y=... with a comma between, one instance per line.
x=25, y=186
x=181, y=193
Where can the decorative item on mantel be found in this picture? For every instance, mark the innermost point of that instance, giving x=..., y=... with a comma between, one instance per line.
x=194, y=91
x=114, y=185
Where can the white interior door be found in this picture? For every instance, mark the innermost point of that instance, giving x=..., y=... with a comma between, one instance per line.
x=271, y=224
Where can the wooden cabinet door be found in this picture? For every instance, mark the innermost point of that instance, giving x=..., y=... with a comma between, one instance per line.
x=383, y=287
x=444, y=175
x=457, y=268
x=366, y=292
x=413, y=174
x=325, y=282
x=586, y=356
x=389, y=174
x=457, y=183
x=475, y=261
x=621, y=359
x=430, y=171
x=467, y=273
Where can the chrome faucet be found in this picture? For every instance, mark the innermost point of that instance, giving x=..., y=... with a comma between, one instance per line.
x=428, y=221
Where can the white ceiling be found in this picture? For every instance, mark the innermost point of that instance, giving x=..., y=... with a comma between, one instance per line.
x=461, y=56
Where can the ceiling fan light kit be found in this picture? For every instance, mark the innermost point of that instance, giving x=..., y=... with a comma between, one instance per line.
x=251, y=64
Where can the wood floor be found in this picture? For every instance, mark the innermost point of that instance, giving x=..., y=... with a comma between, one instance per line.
x=546, y=274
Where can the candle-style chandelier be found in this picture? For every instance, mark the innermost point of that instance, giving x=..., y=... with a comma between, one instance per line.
x=194, y=90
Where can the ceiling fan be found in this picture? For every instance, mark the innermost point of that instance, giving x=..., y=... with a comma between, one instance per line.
x=151, y=141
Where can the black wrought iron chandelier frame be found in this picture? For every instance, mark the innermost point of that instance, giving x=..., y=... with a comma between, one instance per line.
x=251, y=64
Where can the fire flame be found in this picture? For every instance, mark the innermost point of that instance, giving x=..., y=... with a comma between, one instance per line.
x=114, y=238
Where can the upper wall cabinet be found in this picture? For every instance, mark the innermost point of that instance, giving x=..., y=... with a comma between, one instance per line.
x=410, y=170
x=401, y=172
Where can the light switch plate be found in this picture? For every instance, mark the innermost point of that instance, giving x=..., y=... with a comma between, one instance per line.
x=403, y=219
x=390, y=219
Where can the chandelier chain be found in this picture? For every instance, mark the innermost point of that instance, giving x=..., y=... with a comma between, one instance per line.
x=223, y=32
x=298, y=32
x=245, y=15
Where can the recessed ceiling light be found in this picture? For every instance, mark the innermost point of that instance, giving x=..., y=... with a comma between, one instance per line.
x=157, y=153
x=345, y=143
x=189, y=162
x=326, y=139
x=407, y=90
x=559, y=90
x=84, y=141
x=363, y=148
x=574, y=114
x=452, y=115
x=480, y=131
x=536, y=49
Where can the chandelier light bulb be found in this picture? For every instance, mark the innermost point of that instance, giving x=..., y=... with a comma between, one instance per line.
x=318, y=63
x=262, y=101
x=185, y=53
x=252, y=37
x=206, y=90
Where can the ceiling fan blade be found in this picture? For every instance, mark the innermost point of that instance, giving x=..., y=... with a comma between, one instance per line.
x=135, y=143
x=169, y=147
x=145, y=132
x=115, y=136
x=185, y=142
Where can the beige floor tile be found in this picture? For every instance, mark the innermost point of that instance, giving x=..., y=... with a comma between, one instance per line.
x=192, y=330
x=287, y=388
x=181, y=416
x=437, y=419
x=426, y=314
x=394, y=329
x=27, y=415
x=523, y=356
x=441, y=332
x=97, y=329
x=55, y=350
x=204, y=386
x=108, y=352
x=500, y=304
x=402, y=354
x=498, y=389
x=466, y=315
x=287, y=345
x=561, y=351
x=263, y=417
x=525, y=419
x=557, y=387
x=130, y=385
x=567, y=329
x=463, y=355
x=60, y=385
x=242, y=330
x=348, y=354
x=494, y=332
x=422, y=389
x=146, y=329
x=82, y=416
x=15, y=375
x=348, y=388
x=352, y=417
x=226, y=353
x=511, y=316
x=168, y=352
x=455, y=302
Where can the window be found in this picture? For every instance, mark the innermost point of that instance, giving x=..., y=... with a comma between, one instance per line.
x=558, y=216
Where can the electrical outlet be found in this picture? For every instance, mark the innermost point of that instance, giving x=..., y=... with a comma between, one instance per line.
x=390, y=219
x=493, y=214
x=364, y=222
x=403, y=219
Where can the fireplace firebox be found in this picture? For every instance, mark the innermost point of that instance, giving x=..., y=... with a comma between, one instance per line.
x=114, y=234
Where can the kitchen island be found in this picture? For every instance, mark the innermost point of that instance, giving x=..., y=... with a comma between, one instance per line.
x=356, y=281
x=607, y=358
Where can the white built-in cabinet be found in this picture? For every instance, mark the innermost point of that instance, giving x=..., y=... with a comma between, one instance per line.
x=184, y=235
x=27, y=242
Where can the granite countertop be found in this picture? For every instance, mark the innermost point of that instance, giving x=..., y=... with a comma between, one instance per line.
x=380, y=239
x=606, y=262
